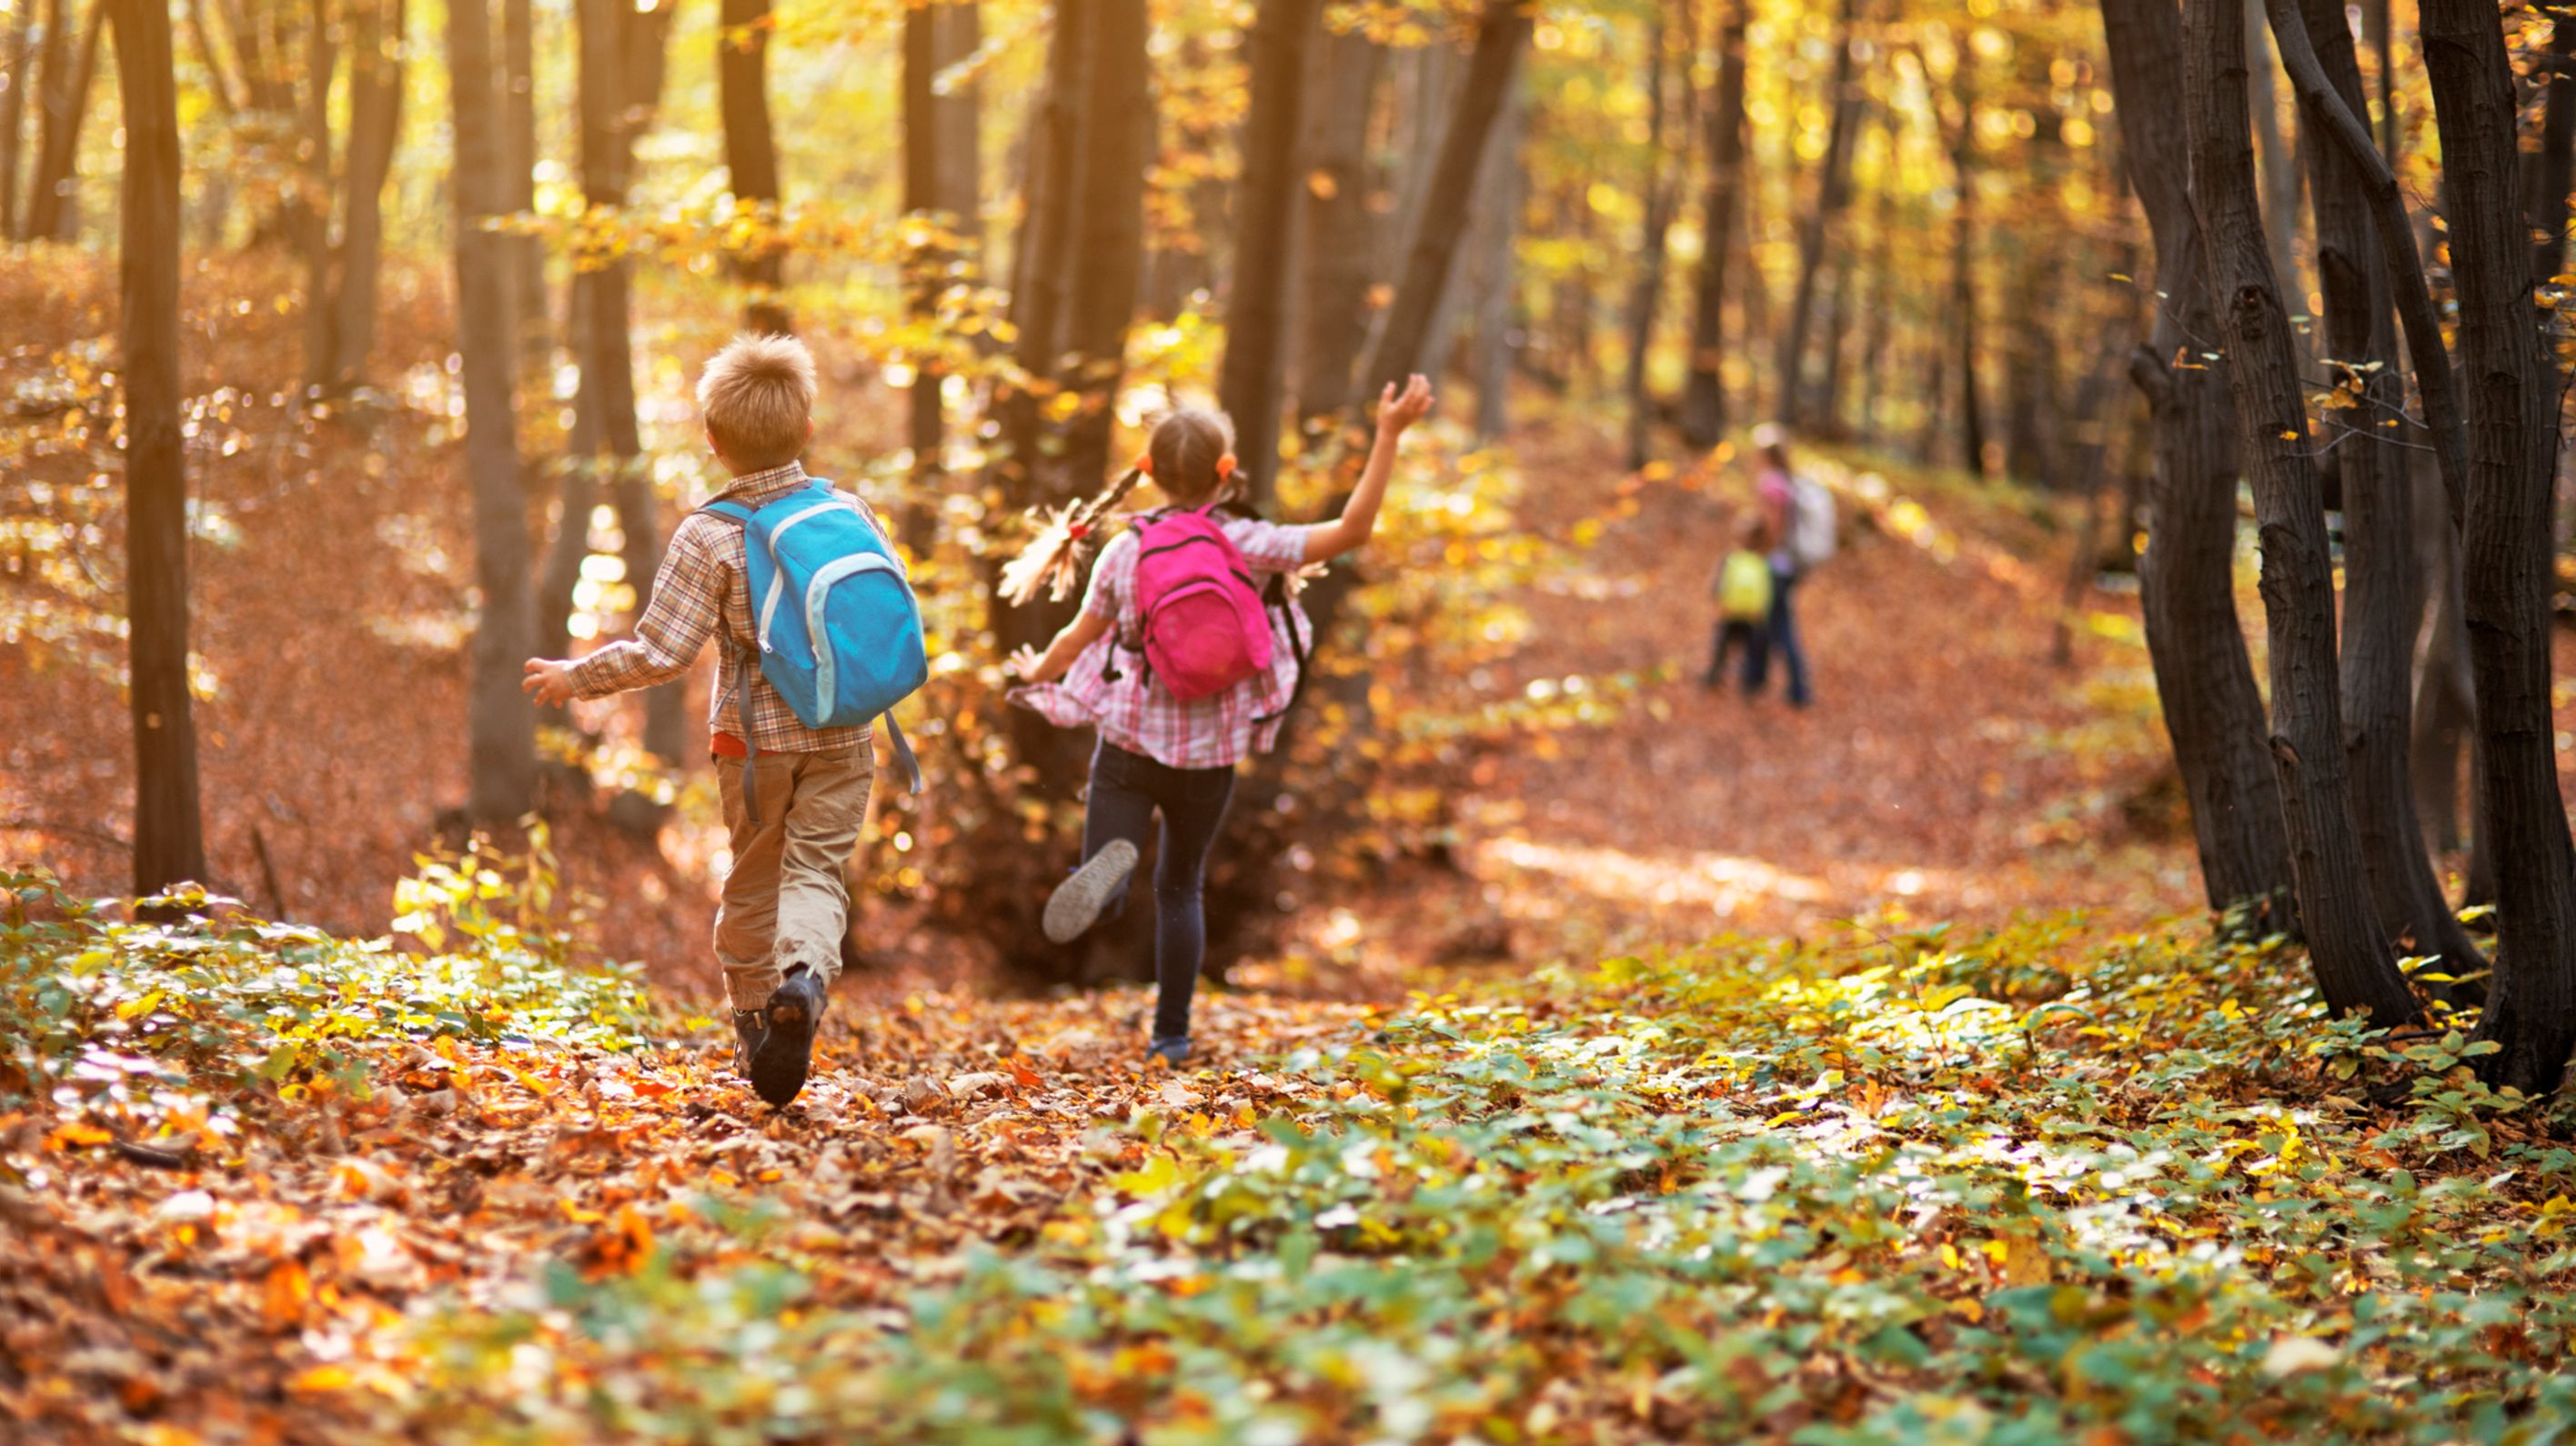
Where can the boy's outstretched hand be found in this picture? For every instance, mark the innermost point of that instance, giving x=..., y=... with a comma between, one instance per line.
x=548, y=680
x=1397, y=411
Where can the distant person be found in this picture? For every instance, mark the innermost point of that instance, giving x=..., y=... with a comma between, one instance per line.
x=794, y=796
x=1743, y=585
x=1799, y=514
x=1183, y=668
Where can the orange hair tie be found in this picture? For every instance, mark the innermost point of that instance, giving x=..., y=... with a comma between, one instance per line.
x=1145, y=463
x=1225, y=467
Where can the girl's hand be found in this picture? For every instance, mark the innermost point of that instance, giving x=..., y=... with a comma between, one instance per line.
x=1397, y=411
x=548, y=680
x=1026, y=663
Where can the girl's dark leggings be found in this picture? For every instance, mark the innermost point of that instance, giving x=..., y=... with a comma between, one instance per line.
x=1126, y=789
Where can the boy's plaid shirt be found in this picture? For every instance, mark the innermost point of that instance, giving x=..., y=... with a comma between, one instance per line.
x=703, y=582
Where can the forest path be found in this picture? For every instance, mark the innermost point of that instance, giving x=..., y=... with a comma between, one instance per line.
x=1948, y=767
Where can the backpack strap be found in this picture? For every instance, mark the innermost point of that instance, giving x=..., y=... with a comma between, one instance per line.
x=1276, y=595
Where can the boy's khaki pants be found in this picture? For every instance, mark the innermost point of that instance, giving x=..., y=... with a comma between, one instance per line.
x=784, y=900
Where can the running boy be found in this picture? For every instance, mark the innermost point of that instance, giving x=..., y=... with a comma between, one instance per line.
x=778, y=927
x=1161, y=748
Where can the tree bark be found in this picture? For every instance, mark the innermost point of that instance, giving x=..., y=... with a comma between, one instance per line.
x=1963, y=265
x=2204, y=680
x=1399, y=347
x=1117, y=130
x=20, y=57
x=620, y=75
x=1832, y=188
x=940, y=186
x=2552, y=163
x=2279, y=176
x=751, y=147
x=1339, y=229
x=2512, y=402
x=314, y=210
x=1646, y=297
x=2382, y=611
x=62, y=99
x=501, y=725
x=1704, y=395
x=1250, y=380
x=2347, y=945
x=519, y=190
x=375, y=121
x=169, y=844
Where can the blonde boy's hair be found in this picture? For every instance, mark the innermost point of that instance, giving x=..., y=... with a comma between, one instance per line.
x=758, y=397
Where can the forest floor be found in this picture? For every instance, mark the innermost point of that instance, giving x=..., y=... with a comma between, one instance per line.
x=1662, y=1109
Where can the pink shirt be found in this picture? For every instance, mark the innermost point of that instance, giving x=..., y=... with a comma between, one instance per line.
x=1107, y=687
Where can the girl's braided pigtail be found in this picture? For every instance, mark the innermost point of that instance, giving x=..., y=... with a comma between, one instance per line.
x=1053, y=558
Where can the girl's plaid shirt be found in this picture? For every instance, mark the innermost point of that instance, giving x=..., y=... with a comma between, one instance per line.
x=1107, y=688
x=703, y=584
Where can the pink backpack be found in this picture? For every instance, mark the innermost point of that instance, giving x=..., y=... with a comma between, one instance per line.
x=1203, y=627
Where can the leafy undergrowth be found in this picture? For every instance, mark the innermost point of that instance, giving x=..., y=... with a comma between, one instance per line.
x=2034, y=1186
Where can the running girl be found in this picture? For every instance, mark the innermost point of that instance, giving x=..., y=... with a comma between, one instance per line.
x=1183, y=669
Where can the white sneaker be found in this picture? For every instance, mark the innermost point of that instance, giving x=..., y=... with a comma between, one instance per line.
x=1076, y=903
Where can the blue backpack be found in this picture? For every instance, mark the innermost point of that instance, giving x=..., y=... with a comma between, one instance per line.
x=839, y=634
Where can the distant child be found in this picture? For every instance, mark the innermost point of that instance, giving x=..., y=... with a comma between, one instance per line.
x=1183, y=669
x=1743, y=586
x=778, y=927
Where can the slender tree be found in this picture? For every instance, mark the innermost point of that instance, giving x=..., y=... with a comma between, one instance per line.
x=375, y=121
x=1704, y=395
x=1833, y=188
x=2382, y=611
x=751, y=146
x=2513, y=431
x=17, y=54
x=501, y=725
x=941, y=166
x=1338, y=228
x=1502, y=33
x=2204, y=679
x=2337, y=907
x=1963, y=260
x=168, y=841
x=1646, y=299
x=1252, y=378
x=1109, y=232
x=519, y=187
x=62, y=100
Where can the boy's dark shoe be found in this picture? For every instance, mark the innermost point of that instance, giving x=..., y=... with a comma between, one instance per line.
x=748, y=1031
x=1171, y=1049
x=1076, y=903
x=786, y=1048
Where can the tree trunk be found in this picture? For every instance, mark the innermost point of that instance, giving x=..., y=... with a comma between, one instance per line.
x=1249, y=383
x=1340, y=230
x=751, y=149
x=2557, y=154
x=1039, y=260
x=1963, y=266
x=375, y=121
x=519, y=189
x=16, y=63
x=2280, y=178
x=2337, y=908
x=1647, y=296
x=501, y=724
x=169, y=845
x=63, y=98
x=1484, y=295
x=2446, y=709
x=1399, y=347
x=2382, y=611
x=1704, y=395
x=2213, y=713
x=313, y=212
x=940, y=185
x=1814, y=230
x=1109, y=247
x=2512, y=402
